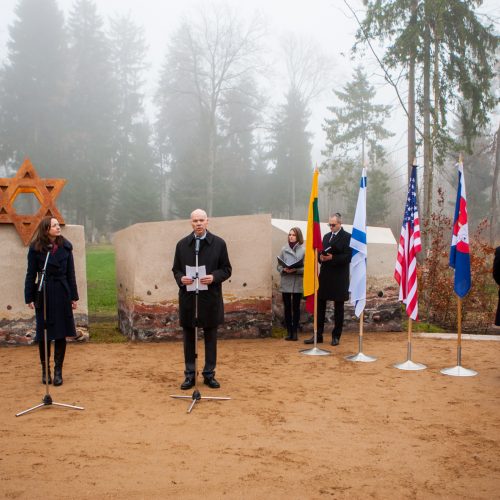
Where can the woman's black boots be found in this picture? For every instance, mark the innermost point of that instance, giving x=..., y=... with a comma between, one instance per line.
x=59, y=352
x=41, y=351
x=44, y=375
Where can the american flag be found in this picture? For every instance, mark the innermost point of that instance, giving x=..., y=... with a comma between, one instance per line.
x=409, y=245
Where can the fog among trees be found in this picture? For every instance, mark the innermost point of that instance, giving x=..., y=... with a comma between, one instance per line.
x=229, y=124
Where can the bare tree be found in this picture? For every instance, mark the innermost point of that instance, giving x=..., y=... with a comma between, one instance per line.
x=216, y=51
x=308, y=75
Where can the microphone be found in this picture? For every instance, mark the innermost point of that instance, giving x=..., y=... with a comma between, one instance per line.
x=197, y=245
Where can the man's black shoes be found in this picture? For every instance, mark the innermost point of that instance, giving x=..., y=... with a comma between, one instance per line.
x=335, y=341
x=187, y=384
x=311, y=340
x=212, y=383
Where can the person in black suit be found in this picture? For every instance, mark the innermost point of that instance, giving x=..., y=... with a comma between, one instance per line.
x=212, y=253
x=61, y=292
x=496, y=277
x=333, y=278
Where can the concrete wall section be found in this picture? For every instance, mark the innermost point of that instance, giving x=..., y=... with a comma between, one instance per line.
x=148, y=293
x=17, y=320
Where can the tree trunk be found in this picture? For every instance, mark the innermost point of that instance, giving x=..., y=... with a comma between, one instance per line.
x=494, y=191
x=211, y=166
x=412, y=149
x=428, y=164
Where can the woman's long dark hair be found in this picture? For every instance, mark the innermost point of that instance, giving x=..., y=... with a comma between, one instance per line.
x=40, y=240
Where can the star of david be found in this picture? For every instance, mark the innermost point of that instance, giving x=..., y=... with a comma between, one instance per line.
x=46, y=191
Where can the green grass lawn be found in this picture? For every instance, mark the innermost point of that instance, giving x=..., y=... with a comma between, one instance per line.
x=101, y=290
x=101, y=280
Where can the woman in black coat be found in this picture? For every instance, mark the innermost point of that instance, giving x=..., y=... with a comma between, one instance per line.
x=60, y=290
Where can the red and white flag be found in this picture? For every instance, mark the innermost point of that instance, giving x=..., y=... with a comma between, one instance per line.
x=409, y=246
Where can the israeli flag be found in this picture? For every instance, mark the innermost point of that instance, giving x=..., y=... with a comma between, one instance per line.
x=357, y=287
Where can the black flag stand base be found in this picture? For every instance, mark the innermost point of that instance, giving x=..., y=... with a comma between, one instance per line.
x=47, y=401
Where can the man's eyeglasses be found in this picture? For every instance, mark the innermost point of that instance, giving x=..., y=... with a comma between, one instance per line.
x=333, y=225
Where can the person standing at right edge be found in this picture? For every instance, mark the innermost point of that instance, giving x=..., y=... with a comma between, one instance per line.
x=333, y=278
x=496, y=277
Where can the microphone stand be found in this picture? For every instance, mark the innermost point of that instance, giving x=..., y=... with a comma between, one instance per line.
x=47, y=399
x=196, y=396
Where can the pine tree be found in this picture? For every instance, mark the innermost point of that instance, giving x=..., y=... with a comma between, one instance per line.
x=354, y=134
x=453, y=54
x=92, y=111
x=33, y=89
x=291, y=154
x=135, y=175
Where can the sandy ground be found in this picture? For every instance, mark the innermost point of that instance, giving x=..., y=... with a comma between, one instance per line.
x=297, y=427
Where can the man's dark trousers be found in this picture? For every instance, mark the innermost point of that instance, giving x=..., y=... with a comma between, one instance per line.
x=338, y=317
x=210, y=335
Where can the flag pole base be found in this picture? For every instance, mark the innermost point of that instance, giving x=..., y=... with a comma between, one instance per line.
x=361, y=357
x=459, y=371
x=315, y=351
x=410, y=365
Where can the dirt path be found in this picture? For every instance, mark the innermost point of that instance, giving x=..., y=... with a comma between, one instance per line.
x=297, y=427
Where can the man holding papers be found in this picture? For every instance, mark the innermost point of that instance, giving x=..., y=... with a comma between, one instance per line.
x=333, y=278
x=213, y=268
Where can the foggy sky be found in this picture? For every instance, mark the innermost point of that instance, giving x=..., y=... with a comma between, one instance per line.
x=328, y=22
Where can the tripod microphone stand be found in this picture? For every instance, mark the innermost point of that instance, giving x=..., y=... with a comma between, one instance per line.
x=47, y=399
x=196, y=396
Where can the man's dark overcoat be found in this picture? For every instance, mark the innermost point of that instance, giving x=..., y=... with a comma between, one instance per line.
x=334, y=274
x=61, y=289
x=496, y=277
x=213, y=255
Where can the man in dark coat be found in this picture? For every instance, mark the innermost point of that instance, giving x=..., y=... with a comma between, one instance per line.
x=333, y=278
x=496, y=277
x=212, y=253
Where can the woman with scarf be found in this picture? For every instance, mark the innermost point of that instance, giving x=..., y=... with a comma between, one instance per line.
x=291, y=269
x=60, y=291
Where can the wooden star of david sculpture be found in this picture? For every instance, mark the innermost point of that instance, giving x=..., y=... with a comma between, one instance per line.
x=46, y=191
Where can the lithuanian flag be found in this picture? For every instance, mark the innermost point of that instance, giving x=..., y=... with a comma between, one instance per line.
x=313, y=242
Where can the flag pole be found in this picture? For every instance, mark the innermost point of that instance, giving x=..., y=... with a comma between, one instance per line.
x=409, y=364
x=459, y=370
x=358, y=265
x=460, y=237
x=361, y=356
x=315, y=350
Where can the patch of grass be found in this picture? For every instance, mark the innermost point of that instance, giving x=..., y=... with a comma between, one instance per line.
x=422, y=326
x=101, y=280
x=104, y=330
x=278, y=332
x=102, y=298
